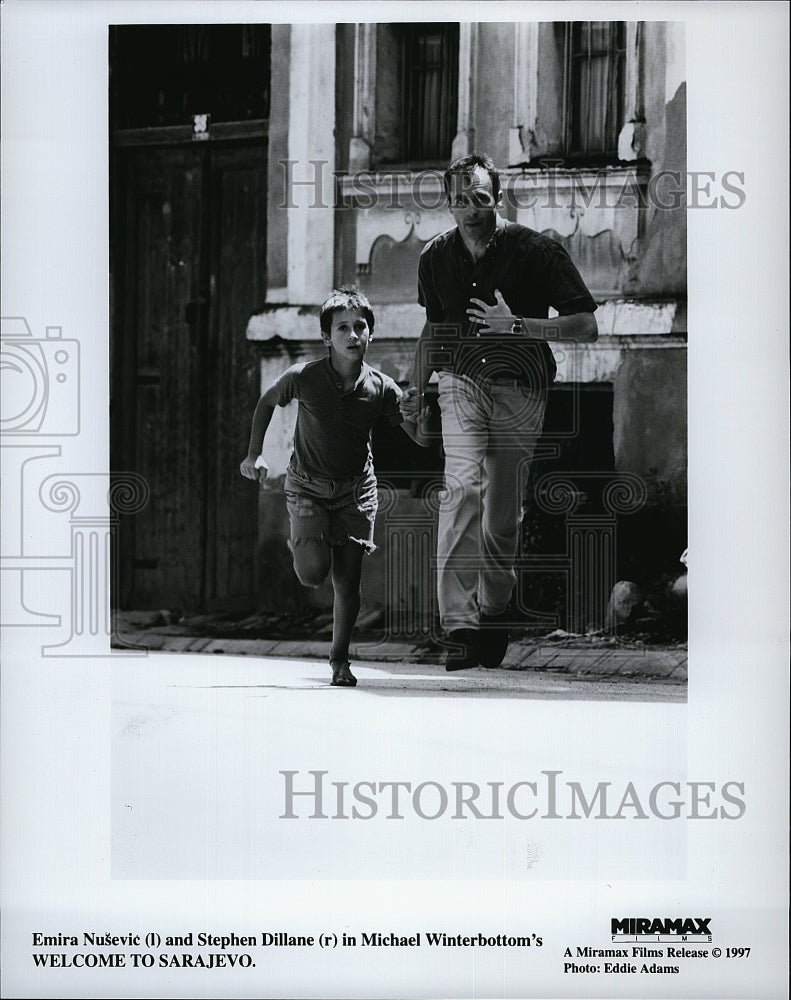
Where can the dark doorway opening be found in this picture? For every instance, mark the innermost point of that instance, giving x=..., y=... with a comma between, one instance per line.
x=188, y=258
x=577, y=437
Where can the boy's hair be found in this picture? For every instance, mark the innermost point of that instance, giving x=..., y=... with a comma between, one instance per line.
x=465, y=165
x=347, y=297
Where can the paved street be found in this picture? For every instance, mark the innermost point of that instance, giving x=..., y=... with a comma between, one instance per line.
x=201, y=745
x=558, y=674
x=555, y=665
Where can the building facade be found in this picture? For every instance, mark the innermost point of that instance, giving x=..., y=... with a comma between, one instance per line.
x=587, y=123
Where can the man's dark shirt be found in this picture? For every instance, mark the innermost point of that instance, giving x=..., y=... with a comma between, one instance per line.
x=533, y=272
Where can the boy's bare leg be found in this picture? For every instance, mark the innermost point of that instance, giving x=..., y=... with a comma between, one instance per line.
x=312, y=561
x=346, y=572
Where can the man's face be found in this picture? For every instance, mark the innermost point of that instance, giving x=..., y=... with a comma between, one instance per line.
x=349, y=335
x=473, y=206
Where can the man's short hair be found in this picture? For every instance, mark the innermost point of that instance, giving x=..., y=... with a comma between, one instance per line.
x=466, y=165
x=346, y=297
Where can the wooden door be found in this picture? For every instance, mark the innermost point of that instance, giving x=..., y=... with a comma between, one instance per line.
x=190, y=233
x=237, y=289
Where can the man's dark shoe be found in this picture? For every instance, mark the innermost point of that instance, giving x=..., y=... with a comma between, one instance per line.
x=493, y=639
x=464, y=651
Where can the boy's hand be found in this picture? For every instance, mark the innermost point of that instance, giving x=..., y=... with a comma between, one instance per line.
x=254, y=468
x=409, y=404
x=416, y=415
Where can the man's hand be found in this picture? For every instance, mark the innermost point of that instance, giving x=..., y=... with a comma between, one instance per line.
x=410, y=405
x=254, y=468
x=491, y=319
x=417, y=416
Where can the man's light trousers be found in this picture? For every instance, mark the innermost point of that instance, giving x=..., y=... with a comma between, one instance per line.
x=489, y=432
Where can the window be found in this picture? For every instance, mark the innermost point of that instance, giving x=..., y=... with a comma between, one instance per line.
x=162, y=74
x=595, y=57
x=417, y=92
x=429, y=87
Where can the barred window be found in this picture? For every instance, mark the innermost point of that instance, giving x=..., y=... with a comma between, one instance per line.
x=417, y=92
x=430, y=61
x=162, y=74
x=595, y=57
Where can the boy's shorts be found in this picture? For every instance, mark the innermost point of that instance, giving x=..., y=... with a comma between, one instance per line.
x=334, y=511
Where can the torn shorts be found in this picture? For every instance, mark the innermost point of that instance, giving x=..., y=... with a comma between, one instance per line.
x=334, y=511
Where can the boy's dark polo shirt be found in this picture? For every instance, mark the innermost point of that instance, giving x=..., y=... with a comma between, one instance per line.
x=533, y=272
x=333, y=433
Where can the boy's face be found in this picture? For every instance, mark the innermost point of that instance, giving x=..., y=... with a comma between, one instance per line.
x=349, y=335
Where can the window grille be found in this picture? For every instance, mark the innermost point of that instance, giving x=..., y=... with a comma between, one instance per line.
x=429, y=90
x=595, y=56
x=163, y=74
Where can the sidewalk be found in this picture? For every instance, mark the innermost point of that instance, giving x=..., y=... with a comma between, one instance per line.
x=559, y=652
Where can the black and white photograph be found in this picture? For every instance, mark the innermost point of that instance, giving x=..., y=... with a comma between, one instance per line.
x=395, y=508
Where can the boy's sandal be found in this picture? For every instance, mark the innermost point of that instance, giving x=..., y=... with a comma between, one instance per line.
x=342, y=675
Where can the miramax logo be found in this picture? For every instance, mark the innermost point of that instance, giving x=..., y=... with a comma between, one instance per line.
x=675, y=928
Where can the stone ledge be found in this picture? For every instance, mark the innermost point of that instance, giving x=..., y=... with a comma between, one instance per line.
x=638, y=664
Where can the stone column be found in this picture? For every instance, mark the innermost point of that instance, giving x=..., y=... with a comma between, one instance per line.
x=524, y=94
x=310, y=194
x=464, y=141
x=364, y=120
x=631, y=139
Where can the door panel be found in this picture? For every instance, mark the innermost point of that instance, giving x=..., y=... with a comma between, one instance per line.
x=194, y=249
x=164, y=248
x=237, y=290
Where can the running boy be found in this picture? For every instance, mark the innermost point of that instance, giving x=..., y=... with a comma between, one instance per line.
x=330, y=484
